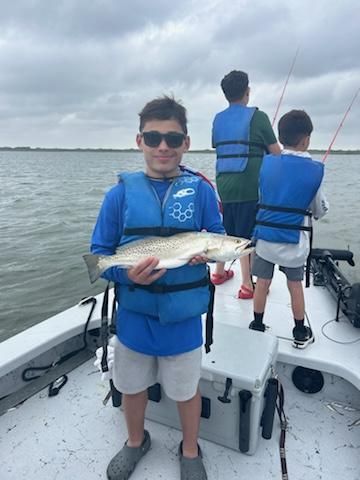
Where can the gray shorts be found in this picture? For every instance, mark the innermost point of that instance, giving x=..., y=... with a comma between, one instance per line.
x=134, y=372
x=263, y=269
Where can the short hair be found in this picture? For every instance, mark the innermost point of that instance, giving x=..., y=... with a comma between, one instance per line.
x=234, y=85
x=164, y=108
x=293, y=127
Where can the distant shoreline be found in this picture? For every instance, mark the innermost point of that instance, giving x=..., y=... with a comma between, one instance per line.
x=135, y=150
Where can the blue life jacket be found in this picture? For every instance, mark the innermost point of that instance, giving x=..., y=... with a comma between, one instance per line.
x=288, y=184
x=231, y=138
x=183, y=292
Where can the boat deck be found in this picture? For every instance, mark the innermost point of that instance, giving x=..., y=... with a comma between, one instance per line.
x=337, y=344
x=74, y=436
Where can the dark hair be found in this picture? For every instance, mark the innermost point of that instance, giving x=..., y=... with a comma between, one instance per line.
x=293, y=127
x=234, y=85
x=163, y=108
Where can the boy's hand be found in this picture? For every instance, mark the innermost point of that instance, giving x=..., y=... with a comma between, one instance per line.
x=198, y=259
x=144, y=273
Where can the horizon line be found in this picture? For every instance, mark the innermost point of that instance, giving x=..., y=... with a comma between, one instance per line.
x=106, y=149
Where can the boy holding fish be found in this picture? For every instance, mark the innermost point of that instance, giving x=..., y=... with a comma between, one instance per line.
x=159, y=330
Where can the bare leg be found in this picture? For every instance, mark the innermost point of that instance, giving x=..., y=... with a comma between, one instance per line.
x=245, y=271
x=189, y=412
x=260, y=294
x=220, y=268
x=134, y=410
x=297, y=299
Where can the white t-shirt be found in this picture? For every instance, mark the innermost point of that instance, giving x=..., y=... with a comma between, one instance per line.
x=294, y=254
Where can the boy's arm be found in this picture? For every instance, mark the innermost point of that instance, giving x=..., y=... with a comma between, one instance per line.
x=209, y=217
x=108, y=231
x=319, y=206
x=274, y=148
x=261, y=123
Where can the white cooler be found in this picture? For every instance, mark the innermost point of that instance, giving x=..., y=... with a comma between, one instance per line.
x=233, y=385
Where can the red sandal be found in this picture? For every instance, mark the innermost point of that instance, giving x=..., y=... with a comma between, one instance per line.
x=245, y=293
x=218, y=278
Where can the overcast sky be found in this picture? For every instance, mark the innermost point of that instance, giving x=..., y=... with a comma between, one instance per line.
x=75, y=73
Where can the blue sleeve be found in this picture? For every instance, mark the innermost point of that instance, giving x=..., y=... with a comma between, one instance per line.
x=209, y=216
x=108, y=231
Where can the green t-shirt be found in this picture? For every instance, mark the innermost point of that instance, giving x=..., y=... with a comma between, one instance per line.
x=243, y=186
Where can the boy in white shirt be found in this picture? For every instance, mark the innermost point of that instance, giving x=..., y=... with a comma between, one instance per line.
x=290, y=194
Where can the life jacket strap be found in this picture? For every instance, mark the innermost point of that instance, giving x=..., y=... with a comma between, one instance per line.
x=241, y=142
x=240, y=155
x=159, y=288
x=276, y=208
x=156, y=231
x=291, y=227
x=209, y=325
x=283, y=225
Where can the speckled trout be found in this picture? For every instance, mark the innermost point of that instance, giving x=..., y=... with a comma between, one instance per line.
x=172, y=252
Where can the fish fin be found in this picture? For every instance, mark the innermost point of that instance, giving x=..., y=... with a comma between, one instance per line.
x=92, y=263
x=171, y=263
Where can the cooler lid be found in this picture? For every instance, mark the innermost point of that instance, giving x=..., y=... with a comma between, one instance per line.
x=241, y=354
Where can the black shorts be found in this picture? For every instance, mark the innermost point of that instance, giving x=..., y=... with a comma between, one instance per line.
x=239, y=218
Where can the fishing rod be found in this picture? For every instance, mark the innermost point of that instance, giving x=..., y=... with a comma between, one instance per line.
x=282, y=94
x=340, y=125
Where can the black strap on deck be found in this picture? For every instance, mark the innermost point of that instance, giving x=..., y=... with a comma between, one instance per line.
x=209, y=325
x=57, y=383
x=283, y=427
x=104, y=332
x=115, y=394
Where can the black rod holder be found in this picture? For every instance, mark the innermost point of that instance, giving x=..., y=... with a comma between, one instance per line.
x=244, y=427
x=267, y=419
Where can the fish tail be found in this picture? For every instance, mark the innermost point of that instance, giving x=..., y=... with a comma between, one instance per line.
x=92, y=263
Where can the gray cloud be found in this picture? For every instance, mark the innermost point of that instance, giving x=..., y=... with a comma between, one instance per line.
x=76, y=73
x=83, y=20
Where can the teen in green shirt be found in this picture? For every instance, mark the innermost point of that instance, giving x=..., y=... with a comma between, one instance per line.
x=238, y=189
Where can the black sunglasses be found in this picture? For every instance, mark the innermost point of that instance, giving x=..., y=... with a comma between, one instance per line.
x=173, y=139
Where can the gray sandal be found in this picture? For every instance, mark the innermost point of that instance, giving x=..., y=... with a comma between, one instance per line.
x=125, y=461
x=192, y=468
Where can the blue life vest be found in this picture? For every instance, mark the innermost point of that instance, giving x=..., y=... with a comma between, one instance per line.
x=288, y=184
x=145, y=215
x=231, y=138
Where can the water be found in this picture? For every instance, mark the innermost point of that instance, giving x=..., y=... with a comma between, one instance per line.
x=48, y=205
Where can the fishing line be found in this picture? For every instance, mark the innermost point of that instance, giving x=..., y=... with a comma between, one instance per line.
x=340, y=125
x=283, y=92
x=333, y=339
